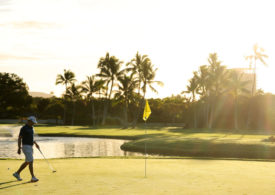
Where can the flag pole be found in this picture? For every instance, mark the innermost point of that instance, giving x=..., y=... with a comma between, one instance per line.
x=145, y=148
x=146, y=114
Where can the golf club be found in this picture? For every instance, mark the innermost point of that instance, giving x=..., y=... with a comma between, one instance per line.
x=47, y=161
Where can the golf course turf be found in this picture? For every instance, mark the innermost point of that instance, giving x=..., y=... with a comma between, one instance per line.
x=213, y=172
x=176, y=141
x=126, y=176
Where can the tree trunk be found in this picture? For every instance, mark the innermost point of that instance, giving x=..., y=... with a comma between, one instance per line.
x=93, y=112
x=73, y=113
x=105, y=112
x=248, y=119
x=134, y=122
x=211, y=117
x=248, y=122
x=236, y=114
x=195, y=116
x=126, y=114
x=206, y=113
x=64, y=116
x=99, y=113
x=139, y=110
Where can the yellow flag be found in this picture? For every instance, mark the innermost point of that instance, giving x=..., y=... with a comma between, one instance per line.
x=147, y=111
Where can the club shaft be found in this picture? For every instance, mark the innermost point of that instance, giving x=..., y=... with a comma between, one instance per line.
x=46, y=160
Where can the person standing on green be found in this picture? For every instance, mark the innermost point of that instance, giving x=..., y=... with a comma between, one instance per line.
x=25, y=142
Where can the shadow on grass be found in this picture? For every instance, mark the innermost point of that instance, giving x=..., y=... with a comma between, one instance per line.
x=195, y=147
x=221, y=131
x=141, y=128
x=8, y=182
x=99, y=127
x=10, y=186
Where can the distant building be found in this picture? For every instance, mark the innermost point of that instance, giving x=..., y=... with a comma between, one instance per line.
x=40, y=94
x=247, y=75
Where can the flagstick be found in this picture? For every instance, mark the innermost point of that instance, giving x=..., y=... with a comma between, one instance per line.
x=145, y=166
x=146, y=114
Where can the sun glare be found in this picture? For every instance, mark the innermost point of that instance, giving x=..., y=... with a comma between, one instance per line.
x=177, y=36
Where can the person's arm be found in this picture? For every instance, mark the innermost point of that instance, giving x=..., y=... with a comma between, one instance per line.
x=37, y=146
x=19, y=144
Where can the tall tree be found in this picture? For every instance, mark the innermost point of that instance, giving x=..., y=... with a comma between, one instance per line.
x=257, y=55
x=14, y=96
x=74, y=94
x=125, y=93
x=109, y=72
x=253, y=58
x=135, y=68
x=148, y=73
x=237, y=86
x=91, y=87
x=148, y=78
x=218, y=77
x=67, y=78
x=202, y=78
x=193, y=88
x=204, y=85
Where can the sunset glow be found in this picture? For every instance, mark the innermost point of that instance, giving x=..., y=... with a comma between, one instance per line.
x=41, y=38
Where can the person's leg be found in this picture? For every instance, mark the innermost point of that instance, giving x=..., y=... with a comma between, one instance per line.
x=31, y=168
x=28, y=151
x=23, y=166
x=34, y=179
x=17, y=173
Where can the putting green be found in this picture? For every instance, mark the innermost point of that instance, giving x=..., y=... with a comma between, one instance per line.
x=126, y=176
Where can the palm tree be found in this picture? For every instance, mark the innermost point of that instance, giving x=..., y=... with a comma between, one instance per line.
x=218, y=76
x=135, y=67
x=91, y=87
x=74, y=94
x=204, y=85
x=193, y=88
x=148, y=75
x=127, y=86
x=67, y=78
x=257, y=55
x=237, y=86
x=109, y=72
x=202, y=80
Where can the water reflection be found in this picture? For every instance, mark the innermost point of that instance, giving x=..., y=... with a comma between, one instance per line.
x=65, y=147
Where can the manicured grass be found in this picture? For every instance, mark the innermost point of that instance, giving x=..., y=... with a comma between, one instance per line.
x=197, y=147
x=180, y=142
x=126, y=176
x=139, y=132
x=108, y=132
x=175, y=141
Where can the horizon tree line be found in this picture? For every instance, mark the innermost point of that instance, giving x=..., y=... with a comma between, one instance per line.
x=216, y=94
x=209, y=84
x=131, y=84
x=214, y=81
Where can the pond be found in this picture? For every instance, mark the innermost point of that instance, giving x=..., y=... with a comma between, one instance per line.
x=62, y=147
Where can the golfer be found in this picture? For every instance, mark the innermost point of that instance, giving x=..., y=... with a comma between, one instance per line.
x=26, y=138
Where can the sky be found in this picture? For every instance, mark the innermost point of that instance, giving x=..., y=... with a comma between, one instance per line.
x=41, y=38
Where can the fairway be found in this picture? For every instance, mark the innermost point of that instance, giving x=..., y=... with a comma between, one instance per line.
x=126, y=176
